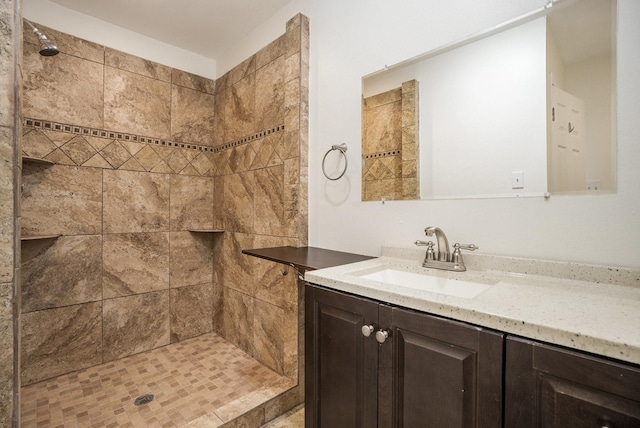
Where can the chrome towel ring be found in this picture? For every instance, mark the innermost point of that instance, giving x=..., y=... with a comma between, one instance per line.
x=342, y=148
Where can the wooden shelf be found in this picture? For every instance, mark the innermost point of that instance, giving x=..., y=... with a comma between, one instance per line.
x=206, y=230
x=306, y=258
x=36, y=238
x=37, y=160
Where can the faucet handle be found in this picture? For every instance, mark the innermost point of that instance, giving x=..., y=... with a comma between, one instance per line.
x=470, y=247
x=456, y=257
x=431, y=254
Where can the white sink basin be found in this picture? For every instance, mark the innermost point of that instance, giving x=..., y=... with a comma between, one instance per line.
x=434, y=284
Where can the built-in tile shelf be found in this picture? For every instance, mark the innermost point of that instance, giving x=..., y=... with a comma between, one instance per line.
x=206, y=230
x=37, y=160
x=36, y=238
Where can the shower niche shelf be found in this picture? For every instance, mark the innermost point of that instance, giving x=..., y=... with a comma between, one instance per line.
x=30, y=159
x=38, y=238
x=206, y=230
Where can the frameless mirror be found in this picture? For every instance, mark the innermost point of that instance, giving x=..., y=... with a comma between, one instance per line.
x=520, y=110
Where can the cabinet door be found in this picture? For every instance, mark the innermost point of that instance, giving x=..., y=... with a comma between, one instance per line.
x=551, y=387
x=443, y=373
x=340, y=362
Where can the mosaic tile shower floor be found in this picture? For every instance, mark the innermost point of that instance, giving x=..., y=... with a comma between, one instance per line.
x=203, y=377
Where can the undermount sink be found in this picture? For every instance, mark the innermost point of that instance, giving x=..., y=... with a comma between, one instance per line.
x=431, y=283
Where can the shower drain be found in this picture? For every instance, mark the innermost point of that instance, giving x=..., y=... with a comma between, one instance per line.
x=143, y=399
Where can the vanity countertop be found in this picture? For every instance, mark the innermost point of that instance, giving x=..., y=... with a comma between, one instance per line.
x=590, y=308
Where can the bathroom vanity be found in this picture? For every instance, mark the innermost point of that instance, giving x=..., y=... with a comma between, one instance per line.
x=541, y=344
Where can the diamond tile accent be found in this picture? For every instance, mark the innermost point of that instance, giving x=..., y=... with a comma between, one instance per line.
x=176, y=161
x=132, y=165
x=214, y=166
x=265, y=152
x=59, y=157
x=97, y=161
x=132, y=146
x=202, y=164
x=115, y=154
x=78, y=150
x=189, y=170
x=101, y=148
x=36, y=144
x=98, y=143
x=162, y=167
x=148, y=158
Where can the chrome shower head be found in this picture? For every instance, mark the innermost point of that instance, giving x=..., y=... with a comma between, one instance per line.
x=48, y=48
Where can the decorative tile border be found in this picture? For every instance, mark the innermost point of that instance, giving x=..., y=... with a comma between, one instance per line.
x=102, y=133
x=382, y=154
x=248, y=139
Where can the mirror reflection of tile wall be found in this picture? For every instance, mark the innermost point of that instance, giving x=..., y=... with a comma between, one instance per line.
x=390, y=144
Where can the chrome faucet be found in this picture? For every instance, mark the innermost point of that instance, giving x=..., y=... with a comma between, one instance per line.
x=443, y=258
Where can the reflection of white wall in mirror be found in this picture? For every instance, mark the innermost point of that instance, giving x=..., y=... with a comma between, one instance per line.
x=483, y=115
x=555, y=65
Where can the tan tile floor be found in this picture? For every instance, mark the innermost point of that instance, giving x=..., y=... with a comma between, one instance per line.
x=201, y=376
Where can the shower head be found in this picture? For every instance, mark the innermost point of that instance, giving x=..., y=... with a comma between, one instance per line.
x=48, y=48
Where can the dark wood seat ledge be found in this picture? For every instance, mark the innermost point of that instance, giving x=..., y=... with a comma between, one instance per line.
x=306, y=258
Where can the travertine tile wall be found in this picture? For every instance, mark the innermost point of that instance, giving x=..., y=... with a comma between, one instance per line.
x=127, y=138
x=390, y=166
x=8, y=130
x=263, y=189
x=141, y=155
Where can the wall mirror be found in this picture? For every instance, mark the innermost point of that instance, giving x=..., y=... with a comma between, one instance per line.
x=522, y=109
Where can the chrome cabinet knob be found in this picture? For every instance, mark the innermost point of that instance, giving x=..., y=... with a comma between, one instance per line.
x=381, y=336
x=367, y=330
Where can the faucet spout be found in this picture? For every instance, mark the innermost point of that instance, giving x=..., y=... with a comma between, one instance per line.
x=443, y=243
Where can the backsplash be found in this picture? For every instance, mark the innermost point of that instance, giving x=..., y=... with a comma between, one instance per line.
x=533, y=267
x=142, y=154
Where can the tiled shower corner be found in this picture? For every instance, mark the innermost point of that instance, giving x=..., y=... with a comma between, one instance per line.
x=138, y=172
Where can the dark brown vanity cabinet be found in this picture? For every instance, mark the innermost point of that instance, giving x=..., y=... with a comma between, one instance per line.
x=547, y=386
x=369, y=364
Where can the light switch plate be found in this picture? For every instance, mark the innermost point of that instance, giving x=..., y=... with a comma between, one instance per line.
x=517, y=180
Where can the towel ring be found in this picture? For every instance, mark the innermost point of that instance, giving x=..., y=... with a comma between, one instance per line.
x=342, y=148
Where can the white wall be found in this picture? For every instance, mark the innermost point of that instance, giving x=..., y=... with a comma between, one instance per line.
x=484, y=108
x=355, y=38
x=95, y=30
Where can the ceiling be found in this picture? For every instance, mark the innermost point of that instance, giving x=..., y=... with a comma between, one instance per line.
x=206, y=27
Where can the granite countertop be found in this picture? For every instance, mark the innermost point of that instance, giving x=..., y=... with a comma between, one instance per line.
x=590, y=308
